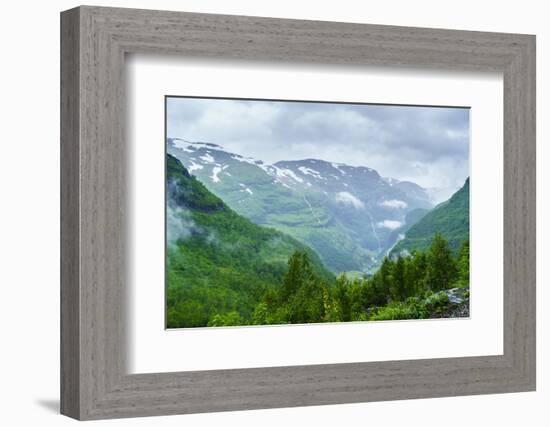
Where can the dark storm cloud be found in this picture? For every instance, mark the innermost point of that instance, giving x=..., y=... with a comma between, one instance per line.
x=427, y=145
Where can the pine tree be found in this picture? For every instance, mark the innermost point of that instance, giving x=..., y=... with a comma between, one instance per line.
x=416, y=273
x=299, y=271
x=384, y=276
x=342, y=297
x=302, y=294
x=441, y=269
x=399, y=285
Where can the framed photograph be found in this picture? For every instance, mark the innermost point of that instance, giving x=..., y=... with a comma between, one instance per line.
x=262, y=213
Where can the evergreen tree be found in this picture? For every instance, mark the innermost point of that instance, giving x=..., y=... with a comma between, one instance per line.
x=299, y=271
x=302, y=296
x=384, y=276
x=342, y=298
x=415, y=273
x=398, y=285
x=441, y=269
x=464, y=264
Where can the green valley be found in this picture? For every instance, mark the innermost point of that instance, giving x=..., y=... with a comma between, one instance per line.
x=218, y=262
x=224, y=270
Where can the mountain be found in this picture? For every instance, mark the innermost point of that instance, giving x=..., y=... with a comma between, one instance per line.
x=450, y=218
x=218, y=261
x=347, y=214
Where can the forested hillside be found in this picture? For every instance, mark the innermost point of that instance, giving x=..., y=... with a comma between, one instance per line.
x=450, y=218
x=347, y=214
x=219, y=264
x=224, y=270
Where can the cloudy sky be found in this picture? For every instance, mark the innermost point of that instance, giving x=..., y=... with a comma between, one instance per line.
x=426, y=145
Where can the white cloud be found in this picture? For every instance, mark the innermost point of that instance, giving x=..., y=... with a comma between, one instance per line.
x=394, y=203
x=349, y=199
x=425, y=145
x=389, y=223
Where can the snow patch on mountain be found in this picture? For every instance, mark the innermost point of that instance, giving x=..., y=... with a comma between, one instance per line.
x=215, y=172
x=309, y=171
x=245, y=189
x=194, y=166
x=391, y=181
x=192, y=146
x=207, y=158
x=288, y=173
x=337, y=167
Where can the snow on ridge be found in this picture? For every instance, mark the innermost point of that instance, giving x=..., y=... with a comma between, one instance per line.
x=389, y=224
x=215, y=172
x=337, y=167
x=180, y=143
x=207, y=158
x=394, y=203
x=391, y=181
x=308, y=171
x=287, y=173
x=243, y=159
x=349, y=199
x=269, y=169
x=194, y=166
x=183, y=145
x=245, y=189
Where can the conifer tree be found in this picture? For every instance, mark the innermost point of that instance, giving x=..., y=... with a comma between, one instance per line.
x=342, y=297
x=441, y=269
x=464, y=264
x=399, y=286
x=384, y=276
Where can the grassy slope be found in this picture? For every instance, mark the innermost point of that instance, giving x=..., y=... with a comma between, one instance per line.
x=450, y=218
x=224, y=262
x=286, y=210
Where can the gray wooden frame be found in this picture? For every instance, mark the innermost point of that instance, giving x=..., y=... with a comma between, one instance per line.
x=94, y=41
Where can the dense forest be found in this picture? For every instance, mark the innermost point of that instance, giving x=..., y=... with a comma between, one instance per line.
x=224, y=270
x=218, y=262
x=411, y=287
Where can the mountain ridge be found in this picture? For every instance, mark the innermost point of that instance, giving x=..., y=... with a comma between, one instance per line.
x=217, y=260
x=347, y=214
x=450, y=218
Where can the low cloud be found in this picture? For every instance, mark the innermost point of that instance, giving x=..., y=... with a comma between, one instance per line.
x=390, y=224
x=349, y=199
x=426, y=145
x=179, y=224
x=398, y=204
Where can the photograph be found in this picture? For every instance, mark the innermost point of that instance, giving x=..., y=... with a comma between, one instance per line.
x=295, y=212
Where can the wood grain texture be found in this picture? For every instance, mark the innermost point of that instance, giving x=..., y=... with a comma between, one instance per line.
x=94, y=235
x=70, y=291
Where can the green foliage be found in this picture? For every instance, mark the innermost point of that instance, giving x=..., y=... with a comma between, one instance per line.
x=413, y=308
x=464, y=264
x=301, y=298
x=222, y=263
x=231, y=318
x=224, y=270
x=398, y=289
x=450, y=218
x=441, y=268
